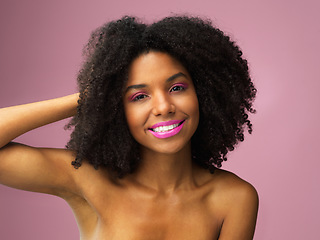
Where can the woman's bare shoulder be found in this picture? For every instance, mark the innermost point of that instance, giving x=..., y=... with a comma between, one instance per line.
x=227, y=188
x=228, y=181
x=236, y=202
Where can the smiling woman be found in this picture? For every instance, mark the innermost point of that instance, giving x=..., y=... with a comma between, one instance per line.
x=162, y=112
x=159, y=108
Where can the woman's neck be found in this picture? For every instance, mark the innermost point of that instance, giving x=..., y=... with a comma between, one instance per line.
x=166, y=173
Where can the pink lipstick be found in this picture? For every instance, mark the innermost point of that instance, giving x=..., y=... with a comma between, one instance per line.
x=166, y=129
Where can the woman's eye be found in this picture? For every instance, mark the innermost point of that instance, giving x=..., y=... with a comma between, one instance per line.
x=178, y=87
x=138, y=97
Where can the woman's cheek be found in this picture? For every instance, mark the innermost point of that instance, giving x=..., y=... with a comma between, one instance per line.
x=134, y=118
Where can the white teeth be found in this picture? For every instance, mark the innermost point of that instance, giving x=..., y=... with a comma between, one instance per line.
x=165, y=128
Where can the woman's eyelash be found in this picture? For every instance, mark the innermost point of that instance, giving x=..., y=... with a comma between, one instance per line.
x=175, y=88
x=137, y=97
x=178, y=87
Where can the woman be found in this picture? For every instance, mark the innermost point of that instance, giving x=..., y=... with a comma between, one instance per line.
x=159, y=108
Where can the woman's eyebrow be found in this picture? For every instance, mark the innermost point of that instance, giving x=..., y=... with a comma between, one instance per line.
x=139, y=86
x=179, y=74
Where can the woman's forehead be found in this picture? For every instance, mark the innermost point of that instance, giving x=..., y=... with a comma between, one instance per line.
x=154, y=65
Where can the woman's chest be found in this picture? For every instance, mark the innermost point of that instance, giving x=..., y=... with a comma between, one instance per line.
x=158, y=227
x=126, y=217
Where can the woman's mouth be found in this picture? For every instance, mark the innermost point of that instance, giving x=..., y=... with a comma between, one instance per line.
x=166, y=129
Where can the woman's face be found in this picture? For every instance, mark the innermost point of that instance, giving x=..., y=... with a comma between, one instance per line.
x=160, y=103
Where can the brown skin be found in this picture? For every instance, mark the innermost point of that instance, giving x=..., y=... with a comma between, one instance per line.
x=168, y=197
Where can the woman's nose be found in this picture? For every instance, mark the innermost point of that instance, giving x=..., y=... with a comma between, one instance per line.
x=162, y=105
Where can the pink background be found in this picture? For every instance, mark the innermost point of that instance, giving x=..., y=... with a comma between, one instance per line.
x=40, y=54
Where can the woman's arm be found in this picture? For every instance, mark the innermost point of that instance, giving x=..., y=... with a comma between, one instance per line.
x=240, y=222
x=17, y=120
x=35, y=169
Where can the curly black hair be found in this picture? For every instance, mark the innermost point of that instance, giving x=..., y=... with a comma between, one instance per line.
x=215, y=63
